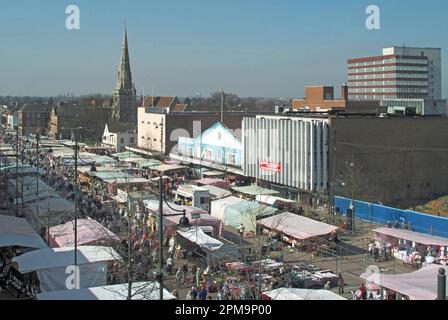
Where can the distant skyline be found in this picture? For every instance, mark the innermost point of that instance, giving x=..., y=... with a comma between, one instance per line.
x=262, y=48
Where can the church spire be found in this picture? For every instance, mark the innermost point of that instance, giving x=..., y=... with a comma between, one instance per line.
x=124, y=95
x=124, y=73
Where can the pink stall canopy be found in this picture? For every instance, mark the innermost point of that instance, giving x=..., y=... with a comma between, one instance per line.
x=412, y=236
x=298, y=227
x=171, y=217
x=223, y=184
x=418, y=285
x=89, y=232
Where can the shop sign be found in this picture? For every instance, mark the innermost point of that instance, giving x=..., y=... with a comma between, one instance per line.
x=269, y=166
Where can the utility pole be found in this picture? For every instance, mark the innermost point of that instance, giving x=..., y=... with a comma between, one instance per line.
x=21, y=184
x=441, y=285
x=161, y=218
x=37, y=180
x=17, y=171
x=75, y=190
x=222, y=106
x=333, y=183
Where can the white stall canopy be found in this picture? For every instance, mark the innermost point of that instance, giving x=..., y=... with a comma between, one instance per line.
x=18, y=232
x=200, y=238
x=301, y=294
x=51, y=265
x=139, y=291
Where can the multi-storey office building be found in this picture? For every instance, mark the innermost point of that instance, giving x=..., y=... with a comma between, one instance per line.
x=400, y=73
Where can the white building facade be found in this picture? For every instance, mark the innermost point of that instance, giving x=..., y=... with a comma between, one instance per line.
x=119, y=139
x=289, y=151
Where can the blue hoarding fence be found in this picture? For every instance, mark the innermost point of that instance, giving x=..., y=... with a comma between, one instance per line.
x=379, y=214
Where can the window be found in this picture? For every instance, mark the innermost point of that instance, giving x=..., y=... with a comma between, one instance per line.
x=208, y=154
x=204, y=200
x=122, y=140
x=132, y=140
x=231, y=158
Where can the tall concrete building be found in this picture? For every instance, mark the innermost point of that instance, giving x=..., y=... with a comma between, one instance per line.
x=399, y=73
x=124, y=105
x=402, y=80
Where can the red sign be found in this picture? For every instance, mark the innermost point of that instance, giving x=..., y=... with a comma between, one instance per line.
x=268, y=166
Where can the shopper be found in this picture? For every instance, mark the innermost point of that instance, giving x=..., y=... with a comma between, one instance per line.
x=340, y=284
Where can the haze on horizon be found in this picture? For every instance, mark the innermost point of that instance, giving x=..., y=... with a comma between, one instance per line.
x=256, y=48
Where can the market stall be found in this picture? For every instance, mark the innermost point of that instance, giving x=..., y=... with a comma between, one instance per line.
x=296, y=228
x=90, y=232
x=171, y=217
x=237, y=212
x=418, y=285
x=220, y=183
x=17, y=232
x=300, y=294
x=253, y=191
x=51, y=265
x=412, y=247
x=277, y=202
x=216, y=192
x=139, y=291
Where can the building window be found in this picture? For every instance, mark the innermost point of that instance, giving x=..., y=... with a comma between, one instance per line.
x=122, y=140
x=208, y=154
x=231, y=158
x=132, y=140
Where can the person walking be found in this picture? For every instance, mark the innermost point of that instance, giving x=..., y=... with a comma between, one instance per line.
x=198, y=277
x=203, y=294
x=340, y=284
x=179, y=277
x=169, y=264
x=194, y=268
x=193, y=293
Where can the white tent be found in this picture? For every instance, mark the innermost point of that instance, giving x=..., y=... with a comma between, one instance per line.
x=298, y=227
x=18, y=232
x=301, y=294
x=140, y=291
x=218, y=207
x=271, y=200
x=200, y=238
x=51, y=265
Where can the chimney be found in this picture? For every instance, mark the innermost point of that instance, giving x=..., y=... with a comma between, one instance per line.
x=344, y=92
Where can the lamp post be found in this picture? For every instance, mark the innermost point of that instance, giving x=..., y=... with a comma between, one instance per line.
x=75, y=190
x=37, y=178
x=441, y=285
x=17, y=171
x=183, y=223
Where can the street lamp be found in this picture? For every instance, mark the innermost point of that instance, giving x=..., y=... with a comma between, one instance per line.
x=37, y=178
x=75, y=190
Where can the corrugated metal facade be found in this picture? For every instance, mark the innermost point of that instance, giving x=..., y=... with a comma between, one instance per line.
x=289, y=151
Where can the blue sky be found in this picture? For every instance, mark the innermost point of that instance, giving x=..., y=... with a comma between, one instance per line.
x=181, y=47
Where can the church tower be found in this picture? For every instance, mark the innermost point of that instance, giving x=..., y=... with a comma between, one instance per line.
x=124, y=105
